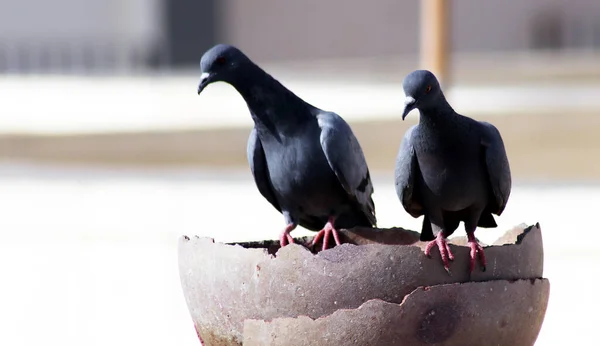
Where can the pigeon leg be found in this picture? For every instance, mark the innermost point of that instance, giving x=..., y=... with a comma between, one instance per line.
x=325, y=232
x=285, y=236
x=475, y=249
x=445, y=252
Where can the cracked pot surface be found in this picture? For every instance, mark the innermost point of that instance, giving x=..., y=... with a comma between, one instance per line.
x=226, y=284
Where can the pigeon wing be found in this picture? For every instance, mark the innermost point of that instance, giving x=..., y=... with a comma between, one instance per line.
x=407, y=167
x=497, y=166
x=347, y=161
x=260, y=171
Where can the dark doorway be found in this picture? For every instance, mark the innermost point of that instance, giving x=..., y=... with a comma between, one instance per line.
x=191, y=28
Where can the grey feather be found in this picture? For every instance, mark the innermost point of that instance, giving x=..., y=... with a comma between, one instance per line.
x=407, y=168
x=258, y=166
x=497, y=165
x=347, y=160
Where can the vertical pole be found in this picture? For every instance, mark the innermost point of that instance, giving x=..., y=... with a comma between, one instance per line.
x=435, y=30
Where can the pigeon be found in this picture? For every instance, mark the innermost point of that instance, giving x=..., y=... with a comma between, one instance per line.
x=306, y=162
x=449, y=168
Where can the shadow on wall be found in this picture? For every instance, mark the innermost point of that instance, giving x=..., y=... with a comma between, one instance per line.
x=143, y=35
x=191, y=28
x=547, y=28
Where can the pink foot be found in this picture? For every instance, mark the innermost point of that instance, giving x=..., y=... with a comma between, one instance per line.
x=325, y=232
x=476, y=249
x=285, y=237
x=445, y=252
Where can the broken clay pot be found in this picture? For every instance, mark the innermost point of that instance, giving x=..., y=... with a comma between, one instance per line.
x=227, y=284
x=499, y=312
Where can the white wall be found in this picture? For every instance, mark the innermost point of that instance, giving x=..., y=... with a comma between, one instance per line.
x=335, y=28
x=34, y=28
x=76, y=19
x=284, y=29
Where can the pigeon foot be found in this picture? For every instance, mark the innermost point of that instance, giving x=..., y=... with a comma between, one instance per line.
x=476, y=249
x=325, y=233
x=286, y=238
x=445, y=252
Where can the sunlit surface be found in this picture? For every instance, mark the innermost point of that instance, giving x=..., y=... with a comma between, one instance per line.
x=89, y=256
x=38, y=104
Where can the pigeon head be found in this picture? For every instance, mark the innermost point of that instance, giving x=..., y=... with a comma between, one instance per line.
x=422, y=91
x=219, y=64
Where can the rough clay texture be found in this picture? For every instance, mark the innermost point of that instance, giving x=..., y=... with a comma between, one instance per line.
x=483, y=313
x=226, y=284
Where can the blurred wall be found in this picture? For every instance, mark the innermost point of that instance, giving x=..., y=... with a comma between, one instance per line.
x=356, y=28
x=61, y=33
x=321, y=29
x=127, y=35
x=191, y=27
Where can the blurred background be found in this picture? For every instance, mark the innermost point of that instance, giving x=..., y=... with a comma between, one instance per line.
x=107, y=154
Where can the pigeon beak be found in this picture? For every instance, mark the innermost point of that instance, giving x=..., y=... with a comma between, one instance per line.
x=205, y=79
x=409, y=105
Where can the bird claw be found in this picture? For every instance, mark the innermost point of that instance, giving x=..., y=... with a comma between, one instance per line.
x=324, y=234
x=444, y=248
x=476, y=249
x=448, y=271
x=286, y=238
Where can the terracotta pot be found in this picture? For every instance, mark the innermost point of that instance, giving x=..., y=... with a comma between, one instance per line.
x=496, y=312
x=226, y=284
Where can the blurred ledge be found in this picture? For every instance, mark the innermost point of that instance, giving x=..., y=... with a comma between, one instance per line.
x=482, y=84
x=76, y=105
x=540, y=146
x=495, y=68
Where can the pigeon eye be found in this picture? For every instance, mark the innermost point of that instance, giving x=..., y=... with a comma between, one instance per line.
x=428, y=89
x=220, y=60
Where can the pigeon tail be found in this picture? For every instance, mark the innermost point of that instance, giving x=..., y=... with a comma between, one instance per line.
x=357, y=218
x=486, y=220
x=426, y=230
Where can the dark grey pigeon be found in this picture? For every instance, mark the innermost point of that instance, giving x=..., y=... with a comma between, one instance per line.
x=450, y=168
x=306, y=162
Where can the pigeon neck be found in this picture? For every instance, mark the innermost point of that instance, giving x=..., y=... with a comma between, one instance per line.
x=436, y=111
x=270, y=103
